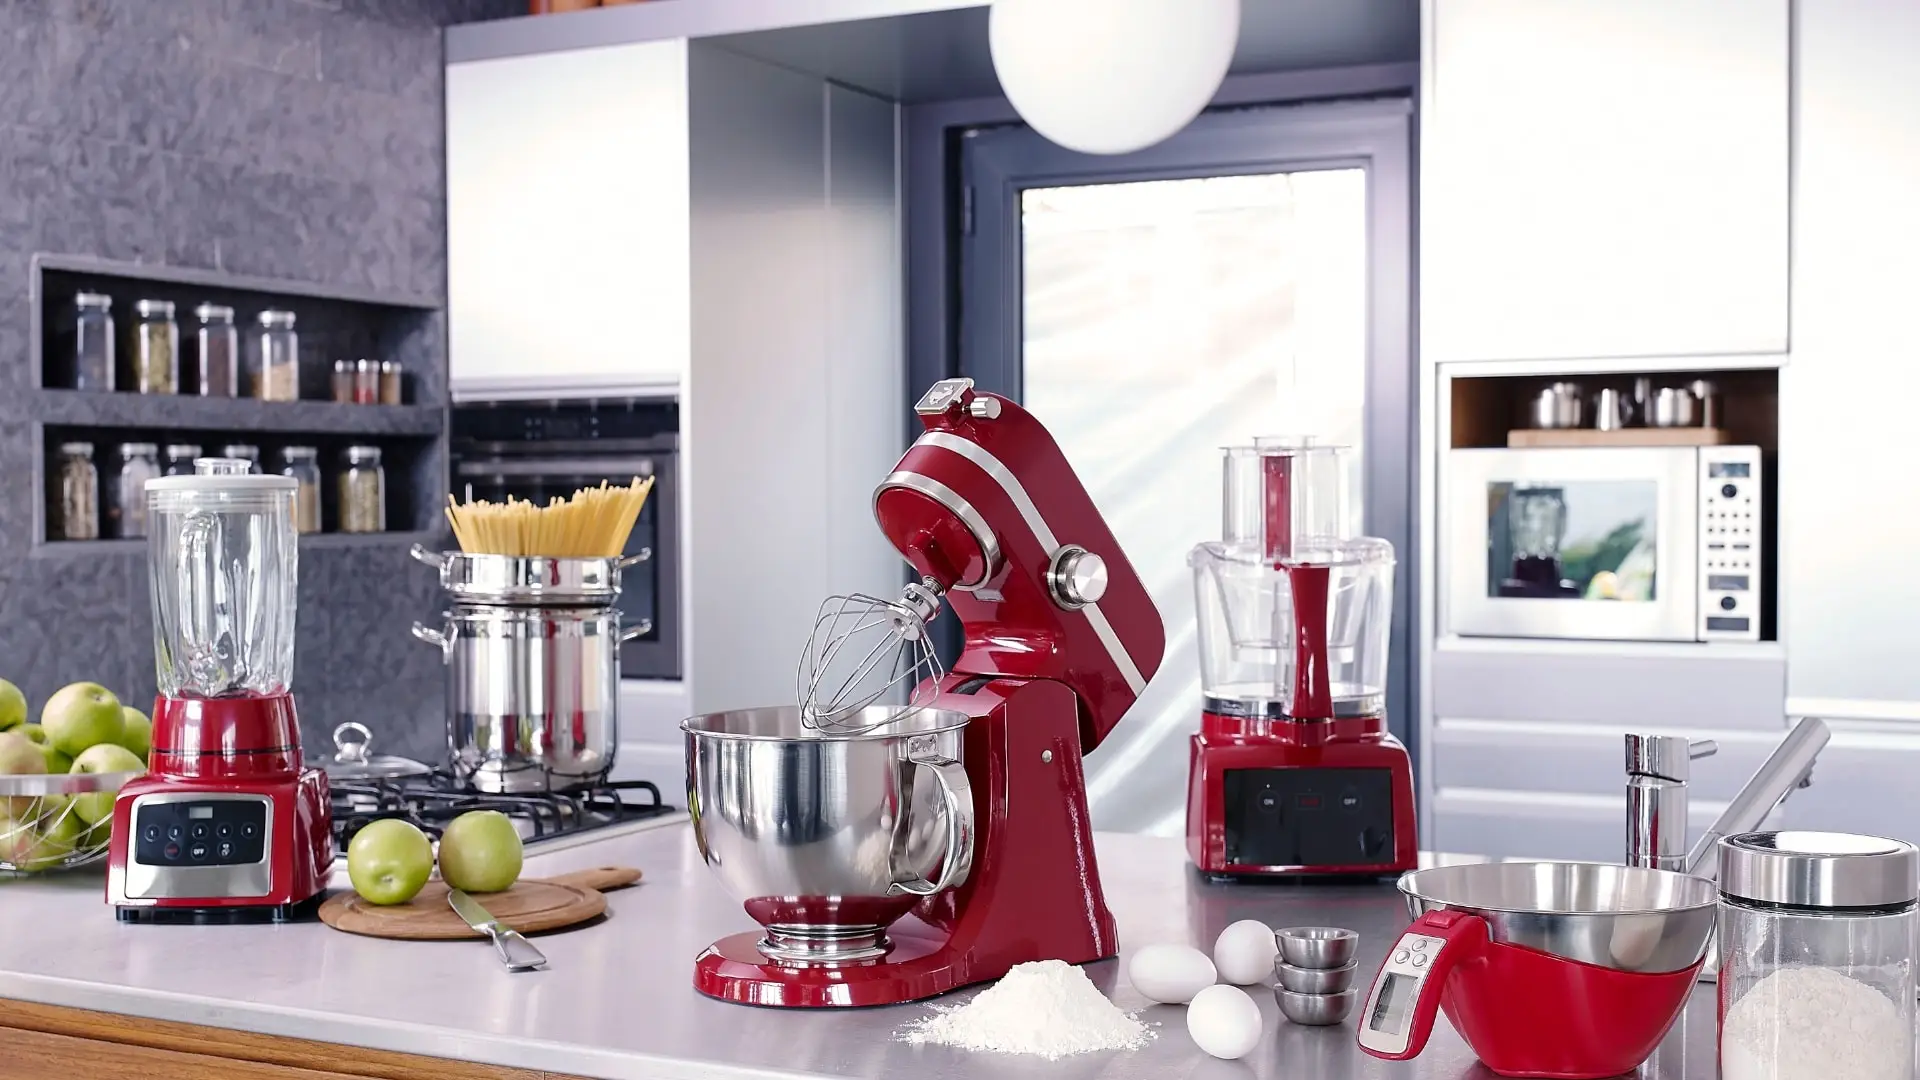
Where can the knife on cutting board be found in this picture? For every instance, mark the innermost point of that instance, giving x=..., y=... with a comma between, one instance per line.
x=515, y=951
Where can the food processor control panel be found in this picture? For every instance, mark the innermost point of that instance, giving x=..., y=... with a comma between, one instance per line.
x=200, y=844
x=1316, y=817
x=1386, y=1023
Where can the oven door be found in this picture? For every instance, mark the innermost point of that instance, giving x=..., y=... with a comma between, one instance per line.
x=649, y=590
x=1572, y=543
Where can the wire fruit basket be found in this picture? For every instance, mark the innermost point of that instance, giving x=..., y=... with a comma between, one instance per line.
x=57, y=822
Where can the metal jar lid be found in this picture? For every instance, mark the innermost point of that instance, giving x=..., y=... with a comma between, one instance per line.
x=1819, y=870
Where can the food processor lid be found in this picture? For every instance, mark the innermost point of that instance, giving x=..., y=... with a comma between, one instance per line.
x=1819, y=869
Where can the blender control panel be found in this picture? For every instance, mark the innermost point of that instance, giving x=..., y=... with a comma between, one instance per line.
x=1732, y=531
x=1308, y=817
x=1386, y=1023
x=222, y=832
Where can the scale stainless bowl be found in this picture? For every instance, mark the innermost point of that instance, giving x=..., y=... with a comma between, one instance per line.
x=1624, y=917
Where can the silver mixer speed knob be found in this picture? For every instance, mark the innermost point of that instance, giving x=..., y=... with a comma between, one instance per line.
x=1076, y=577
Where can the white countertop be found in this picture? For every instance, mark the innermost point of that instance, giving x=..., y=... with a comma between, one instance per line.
x=617, y=1000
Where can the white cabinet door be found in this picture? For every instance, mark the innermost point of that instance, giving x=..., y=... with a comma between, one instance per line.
x=1604, y=178
x=1849, y=583
x=567, y=219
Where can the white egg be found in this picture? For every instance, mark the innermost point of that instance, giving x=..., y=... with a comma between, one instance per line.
x=1244, y=952
x=1170, y=973
x=1224, y=1022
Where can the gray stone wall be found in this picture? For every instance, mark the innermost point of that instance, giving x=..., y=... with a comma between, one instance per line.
x=281, y=138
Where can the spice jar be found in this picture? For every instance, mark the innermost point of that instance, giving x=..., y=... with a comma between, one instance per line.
x=156, y=348
x=126, y=502
x=251, y=454
x=366, y=383
x=1816, y=956
x=343, y=381
x=79, y=516
x=303, y=464
x=217, y=348
x=389, y=382
x=180, y=458
x=276, y=358
x=92, y=341
x=363, y=491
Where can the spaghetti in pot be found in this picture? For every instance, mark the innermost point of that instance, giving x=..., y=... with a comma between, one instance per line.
x=593, y=523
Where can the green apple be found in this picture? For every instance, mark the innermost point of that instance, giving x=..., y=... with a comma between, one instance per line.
x=139, y=734
x=53, y=837
x=389, y=861
x=57, y=762
x=34, y=732
x=97, y=806
x=19, y=757
x=96, y=838
x=13, y=706
x=480, y=852
x=80, y=715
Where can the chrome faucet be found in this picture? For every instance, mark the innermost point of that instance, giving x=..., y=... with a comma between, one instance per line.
x=1657, y=768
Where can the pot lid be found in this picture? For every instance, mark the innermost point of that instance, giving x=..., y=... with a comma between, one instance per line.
x=353, y=758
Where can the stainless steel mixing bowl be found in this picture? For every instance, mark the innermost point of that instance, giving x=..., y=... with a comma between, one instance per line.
x=826, y=838
x=1624, y=917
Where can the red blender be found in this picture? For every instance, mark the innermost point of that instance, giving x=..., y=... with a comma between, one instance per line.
x=1293, y=771
x=227, y=825
x=886, y=875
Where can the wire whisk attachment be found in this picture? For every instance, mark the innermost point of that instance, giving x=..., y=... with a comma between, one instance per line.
x=869, y=662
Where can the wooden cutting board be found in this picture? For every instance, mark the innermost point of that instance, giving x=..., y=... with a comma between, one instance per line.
x=531, y=906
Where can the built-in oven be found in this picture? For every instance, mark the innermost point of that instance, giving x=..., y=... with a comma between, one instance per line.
x=1621, y=543
x=538, y=450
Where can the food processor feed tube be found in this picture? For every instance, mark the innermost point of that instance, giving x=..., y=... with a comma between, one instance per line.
x=227, y=818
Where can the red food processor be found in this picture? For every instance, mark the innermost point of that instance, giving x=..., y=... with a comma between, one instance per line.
x=1561, y=971
x=1293, y=772
x=227, y=825
x=980, y=855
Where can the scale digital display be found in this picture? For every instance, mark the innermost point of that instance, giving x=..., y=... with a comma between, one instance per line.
x=1729, y=469
x=1390, y=1012
x=199, y=813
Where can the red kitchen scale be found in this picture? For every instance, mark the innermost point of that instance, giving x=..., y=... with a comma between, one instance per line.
x=1061, y=637
x=227, y=825
x=1293, y=771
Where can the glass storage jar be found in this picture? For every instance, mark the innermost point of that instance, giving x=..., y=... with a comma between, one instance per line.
x=245, y=452
x=156, y=348
x=79, y=509
x=1817, y=938
x=276, y=358
x=303, y=464
x=363, y=491
x=92, y=341
x=389, y=382
x=366, y=383
x=126, y=497
x=180, y=457
x=218, y=351
x=343, y=381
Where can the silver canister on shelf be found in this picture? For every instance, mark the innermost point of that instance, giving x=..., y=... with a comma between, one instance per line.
x=1561, y=405
x=1612, y=409
x=156, y=348
x=79, y=493
x=217, y=351
x=1707, y=394
x=1673, y=407
x=532, y=651
x=93, y=364
x=1817, y=938
x=180, y=457
x=127, y=495
x=303, y=464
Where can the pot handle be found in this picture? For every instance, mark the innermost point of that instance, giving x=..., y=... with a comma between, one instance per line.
x=1398, y=1016
x=431, y=558
x=628, y=633
x=956, y=791
x=444, y=642
x=637, y=557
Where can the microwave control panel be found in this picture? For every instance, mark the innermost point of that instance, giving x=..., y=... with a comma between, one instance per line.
x=1731, y=538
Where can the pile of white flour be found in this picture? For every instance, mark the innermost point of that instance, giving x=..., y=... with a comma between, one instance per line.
x=1047, y=1008
x=1811, y=1023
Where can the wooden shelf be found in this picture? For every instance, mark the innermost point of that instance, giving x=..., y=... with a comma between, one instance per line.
x=1582, y=437
x=183, y=412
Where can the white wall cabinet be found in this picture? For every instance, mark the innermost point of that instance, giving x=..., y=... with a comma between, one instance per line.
x=567, y=220
x=1604, y=178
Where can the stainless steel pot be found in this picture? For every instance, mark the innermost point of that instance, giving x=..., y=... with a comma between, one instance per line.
x=533, y=693
x=1562, y=405
x=1629, y=918
x=1612, y=409
x=515, y=579
x=1673, y=406
x=827, y=839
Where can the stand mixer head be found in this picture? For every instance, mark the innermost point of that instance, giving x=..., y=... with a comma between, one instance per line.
x=986, y=858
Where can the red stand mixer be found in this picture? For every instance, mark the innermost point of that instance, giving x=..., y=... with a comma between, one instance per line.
x=1293, y=771
x=227, y=825
x=875, y=885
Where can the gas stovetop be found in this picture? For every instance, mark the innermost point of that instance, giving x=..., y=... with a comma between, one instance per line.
x=543, y=818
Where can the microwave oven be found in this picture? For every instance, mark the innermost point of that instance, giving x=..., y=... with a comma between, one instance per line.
x=1610, y=543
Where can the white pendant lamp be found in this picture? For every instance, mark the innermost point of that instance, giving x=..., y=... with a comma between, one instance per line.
x=1111, y=76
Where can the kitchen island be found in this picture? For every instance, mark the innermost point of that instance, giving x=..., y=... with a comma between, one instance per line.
x=616, y=1001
